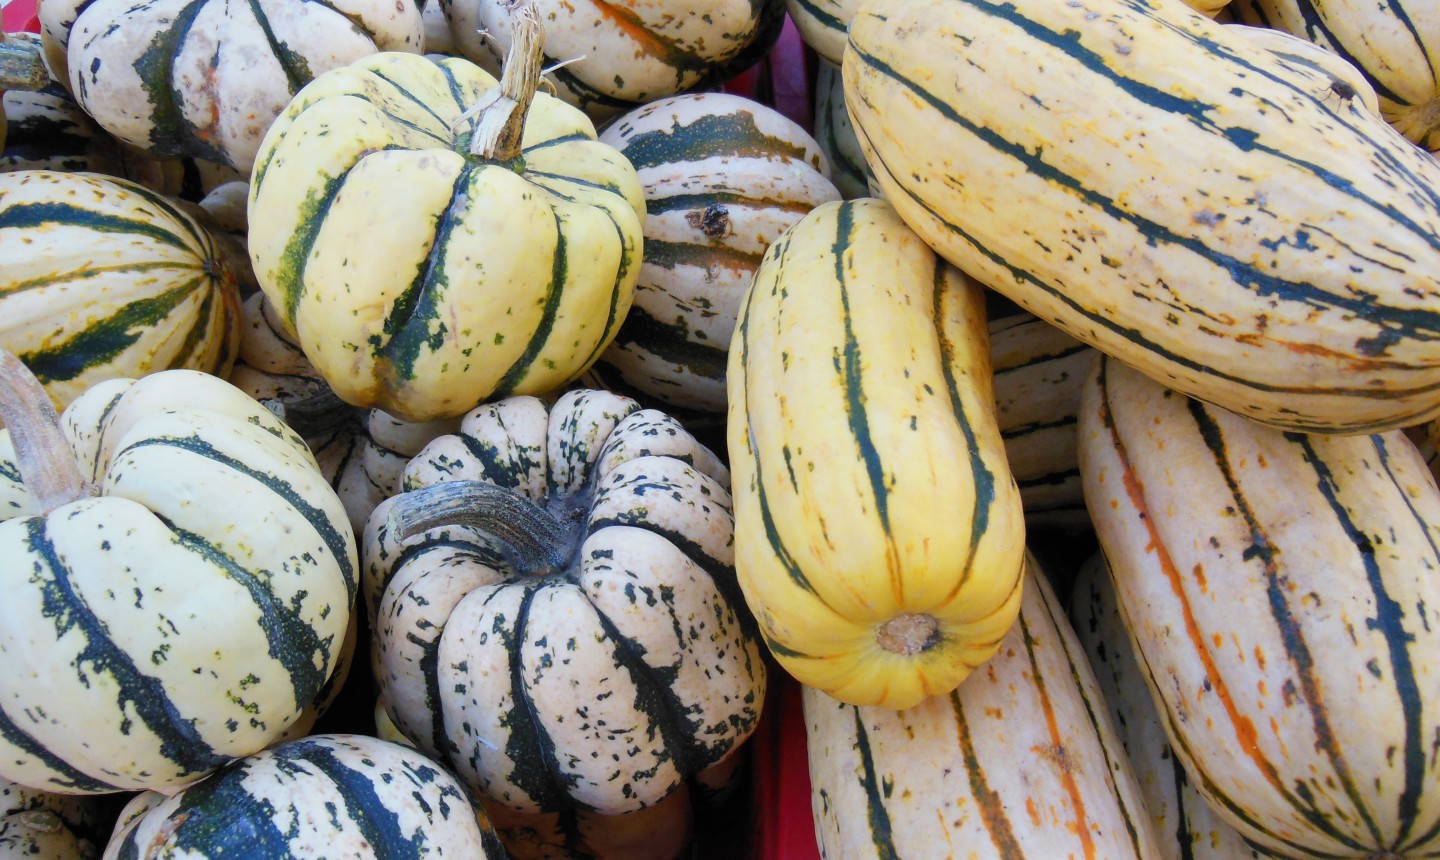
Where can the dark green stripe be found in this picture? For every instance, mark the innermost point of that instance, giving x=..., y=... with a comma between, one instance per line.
x=61, y=278
x=1297, y=650
x=1037, y=426
x=341, y=545
x=824, y=18
x=1043, y=358
x=1317, y=31
x=496, y=471
x=103, y=341
x=288, y=278
x=981, y=475
x=877, y=816
x=670, y=255
x=673, y=344
x=555, y=293
x=1050, y=479
x=373, y=816
x=137, y=693
x=422, y=105
x=728, y=135
x=66, y=776
x=219, y=817
x=536, y=767
x=21, y=216
x=654, y=205
x=989, y=804
x=171, y=134
x=292, y=63
x=293, y=643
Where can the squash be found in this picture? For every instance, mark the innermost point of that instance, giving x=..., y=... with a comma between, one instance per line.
x=861, y=405
x=177, y=587
x=723, y=177
x=361, y=452
x=1393, y=43
x=331, y=795
x=823, y=24
x=205, y=79
x=553, y=607
x=492, y=274
x=836, y=136
x=104, y=278
x=1038, y=373
x=606, y=58
x=1279, y=590
x=1185, y=825
x=39, y=825
x=1286, y=268
x=1021, y=761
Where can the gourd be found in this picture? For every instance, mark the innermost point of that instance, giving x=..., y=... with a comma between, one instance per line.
x=836, y=136
x=39, y=825
x=361, y=452
x=1020, y=761
x=206, y=79
x=21, y=68
x=606, y=58
x=104, y=278
x=723, y=177
x=879, y=535
x=1285, y=268
x=178, y=582
x=502, y=267
x=553, y=607
x=330, y=795
x=1184, y=824
x=1393, y=43
x=1038, y=372
x=1279, y=591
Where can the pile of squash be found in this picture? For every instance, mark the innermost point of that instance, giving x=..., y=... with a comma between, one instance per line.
x=430, y=432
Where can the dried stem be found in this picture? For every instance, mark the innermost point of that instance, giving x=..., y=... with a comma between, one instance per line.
x=527, y=529
x=43, y=455
x=501, y=123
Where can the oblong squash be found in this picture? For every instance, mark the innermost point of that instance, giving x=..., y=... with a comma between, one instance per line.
x=1287, y=267
x=878, y=530
x=1280, y=591
x=1021, y=761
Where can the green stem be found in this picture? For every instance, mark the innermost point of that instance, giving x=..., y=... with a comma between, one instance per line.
x=47, y=463
x=526, y=528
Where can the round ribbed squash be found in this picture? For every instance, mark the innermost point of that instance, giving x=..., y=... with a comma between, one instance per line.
x=323, y=796
x=624, y=53
x=492, y=273
x=38, y=825
x=879, y=535
x=563, y=630
x=177, y=585
x=205, y=79
x=724, y=176
x=361, y=452
x=104, y=278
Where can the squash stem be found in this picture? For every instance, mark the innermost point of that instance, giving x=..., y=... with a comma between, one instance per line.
x=43, y=455
x=526, y=528
x=501, y=124
x=314, y=414
x=21, y=66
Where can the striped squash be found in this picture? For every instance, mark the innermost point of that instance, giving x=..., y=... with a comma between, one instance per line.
x=861, y=404
x=1021, y=761
x=38, y=825
x=822, y=24
x=206, y=78
x=1294, y=50
x=1038, y=374
x=104, y=278
x=1286, y=268
x=519, y=671
x=361, y=452
x=324, y=796
x=606, y=58
x=1185, y=826
x=723, y=177
x=488, y=277
x=836, y=136
x=1395, y=43
x=1280, y=593
x=176, y=590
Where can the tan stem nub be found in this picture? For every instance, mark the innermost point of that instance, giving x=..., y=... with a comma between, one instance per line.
x=43, y=455
x=21, y=66
x=526, y=528
x=501, y=124
x=909, y=634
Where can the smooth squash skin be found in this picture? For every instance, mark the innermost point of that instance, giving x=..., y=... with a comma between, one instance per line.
x=879, y=536
x=1280, y=593
x=1286, y=266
